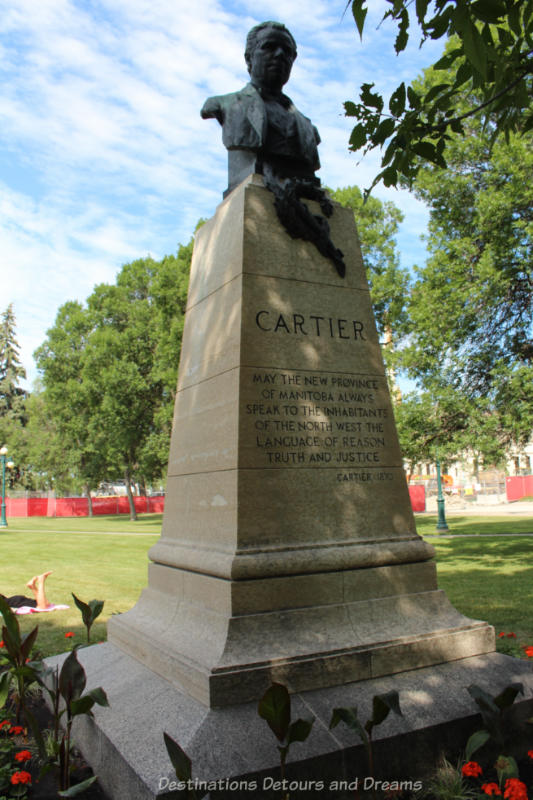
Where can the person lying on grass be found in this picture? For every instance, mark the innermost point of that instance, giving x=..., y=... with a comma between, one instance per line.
x=39, y=600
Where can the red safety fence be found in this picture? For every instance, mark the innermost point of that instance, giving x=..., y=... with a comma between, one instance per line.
x=519, y=486
x=79, y=506
x=418, y=497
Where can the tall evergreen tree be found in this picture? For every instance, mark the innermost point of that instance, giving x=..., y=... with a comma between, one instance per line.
x=12, y=396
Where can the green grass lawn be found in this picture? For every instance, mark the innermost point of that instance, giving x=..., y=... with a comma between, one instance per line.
x=103, y=558
x=467, y=524
x=106, y=558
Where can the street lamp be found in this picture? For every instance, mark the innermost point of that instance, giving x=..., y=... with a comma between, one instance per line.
x=441, y=520
x=9, y=464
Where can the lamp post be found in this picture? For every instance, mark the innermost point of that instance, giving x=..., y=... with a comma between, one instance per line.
x=441, y=520
x=3, y=520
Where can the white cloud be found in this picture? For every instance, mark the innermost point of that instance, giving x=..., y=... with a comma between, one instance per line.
x=103, y=154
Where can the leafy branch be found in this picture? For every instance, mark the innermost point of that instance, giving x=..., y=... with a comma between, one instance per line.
x=489, y=56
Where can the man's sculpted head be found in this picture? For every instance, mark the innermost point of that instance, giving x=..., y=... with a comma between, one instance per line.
x=270, y=53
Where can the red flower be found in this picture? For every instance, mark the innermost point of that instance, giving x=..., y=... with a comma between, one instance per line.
x=69, y=634
x=4, y=724
x=471, y=769
x=529, y=651
x=500, y=636
x=530, y=753
x=515, y=789
x=23, y=755
x=2, y=643
x=16, y=730
x=21, y=777
x=511, y=635
x=491, y=788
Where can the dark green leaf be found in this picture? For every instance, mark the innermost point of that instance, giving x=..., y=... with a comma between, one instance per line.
x=5, y=682
x=414, y=98
x=439, y=24
x=463, y=74
x=180, y=760
x=79, y=788
x=359, y=15
x=96, y=607
x=10, y=623
x=507, y=697
x=299, y=730
x=383, y=704
x=474, y=47
x=527, y=125
x=350, y=109
x=275, y=708
x=506, y=767
x=389, y=176
x=429, y=152
x=476, y=741
x=358, y=137
x=447, y=60
x=513, y=18
x=397, y=101
x=489, y=10
x=434, y=91
x=82, y=705
x=99, y=696
x=370, y=98
x=482, y=698
x=403, y=36
x=84, y=608
x=28, y=641
x=383, y=131
x=350, y=719
x=71, y=678
x=421, y=10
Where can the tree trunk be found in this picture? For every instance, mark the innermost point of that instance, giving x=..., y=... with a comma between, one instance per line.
x=89, y=500
x=127, y=478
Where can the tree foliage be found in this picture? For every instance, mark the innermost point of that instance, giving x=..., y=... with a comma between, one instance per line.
x=470, y=330
x=12, y=395
x=377, y=225
x=491, y=58
x=109, y=372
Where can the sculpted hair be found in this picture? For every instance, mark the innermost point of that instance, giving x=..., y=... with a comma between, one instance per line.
x=251, y=39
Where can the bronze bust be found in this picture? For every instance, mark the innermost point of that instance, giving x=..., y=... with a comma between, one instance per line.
x=260, y=124
x=265, y=133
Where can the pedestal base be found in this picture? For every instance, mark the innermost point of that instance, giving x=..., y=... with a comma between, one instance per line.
x=124, y=743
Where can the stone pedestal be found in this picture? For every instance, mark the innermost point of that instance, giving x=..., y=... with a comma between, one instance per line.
x=289, y=551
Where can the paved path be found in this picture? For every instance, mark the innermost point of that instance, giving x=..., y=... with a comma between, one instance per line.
x=520, y=508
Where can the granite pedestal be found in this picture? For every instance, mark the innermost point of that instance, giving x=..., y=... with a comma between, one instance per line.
x=289, y=550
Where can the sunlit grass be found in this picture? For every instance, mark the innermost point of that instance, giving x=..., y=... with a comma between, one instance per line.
x=106, y=558
x=94, y=558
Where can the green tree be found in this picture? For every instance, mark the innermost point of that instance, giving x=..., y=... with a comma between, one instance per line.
x=12, y=395
x=13, y=414
x=377, y=225
x=491, y=59
x=109, y=373
x=470, y=308
x=69, y=454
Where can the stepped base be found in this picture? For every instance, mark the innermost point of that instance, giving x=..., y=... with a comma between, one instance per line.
x=124, y=743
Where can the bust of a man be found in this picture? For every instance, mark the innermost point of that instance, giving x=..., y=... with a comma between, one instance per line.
x=260, y=125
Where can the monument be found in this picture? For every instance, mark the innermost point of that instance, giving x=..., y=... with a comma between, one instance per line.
x=289, y=550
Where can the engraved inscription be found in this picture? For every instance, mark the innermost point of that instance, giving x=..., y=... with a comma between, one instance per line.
x=316, y=419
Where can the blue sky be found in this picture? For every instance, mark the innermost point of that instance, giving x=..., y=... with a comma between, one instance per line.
x=103, y=155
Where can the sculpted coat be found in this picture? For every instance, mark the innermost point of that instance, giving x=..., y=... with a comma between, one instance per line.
x=243, y=118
